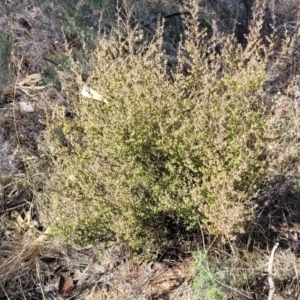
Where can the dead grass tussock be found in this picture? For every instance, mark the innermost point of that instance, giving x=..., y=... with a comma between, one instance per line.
x=22, y=271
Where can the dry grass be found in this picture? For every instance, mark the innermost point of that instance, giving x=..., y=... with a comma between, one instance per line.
x=151, y=281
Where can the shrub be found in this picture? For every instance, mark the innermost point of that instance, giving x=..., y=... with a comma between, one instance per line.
x=206, y=282
x=177, y=144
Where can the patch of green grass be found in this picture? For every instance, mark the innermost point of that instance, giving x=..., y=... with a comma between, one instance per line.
x=5, y=54
x=51, y=76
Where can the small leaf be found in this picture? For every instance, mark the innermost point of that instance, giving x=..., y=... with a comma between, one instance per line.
x=14, y=214
x=66, y=284
x=27, y=217
x=12, y=225
x=20, y=221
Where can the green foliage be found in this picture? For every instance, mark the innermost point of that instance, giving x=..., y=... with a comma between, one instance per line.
x=51, y=76
x=5, y=53
x=206, y=283
x=82, y=15
x=181, y=145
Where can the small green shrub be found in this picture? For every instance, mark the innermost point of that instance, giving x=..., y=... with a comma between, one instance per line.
x=51, y=76
x=183, y=144
x=206, y=283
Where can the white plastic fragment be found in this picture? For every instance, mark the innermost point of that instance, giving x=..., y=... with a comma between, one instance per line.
x=25, y=107
x=92, y=94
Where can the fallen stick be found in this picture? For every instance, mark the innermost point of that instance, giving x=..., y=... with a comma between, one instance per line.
x=270, y=275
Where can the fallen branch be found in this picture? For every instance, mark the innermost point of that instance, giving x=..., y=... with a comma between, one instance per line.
x=270, y=275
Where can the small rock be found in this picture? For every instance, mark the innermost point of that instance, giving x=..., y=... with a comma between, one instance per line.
x=25, y=107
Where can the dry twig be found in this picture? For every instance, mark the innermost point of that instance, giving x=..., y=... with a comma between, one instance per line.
x=270, y=276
